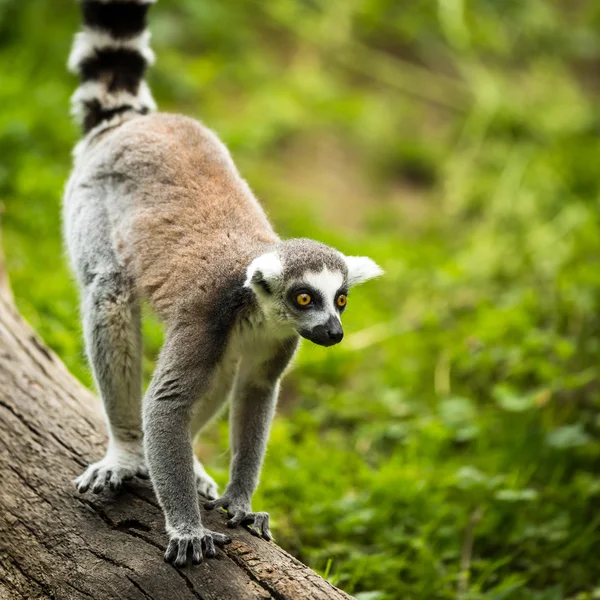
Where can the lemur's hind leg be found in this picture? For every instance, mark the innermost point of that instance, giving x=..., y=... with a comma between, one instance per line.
x=112, y=324
x=112, y=332
x=204, y=412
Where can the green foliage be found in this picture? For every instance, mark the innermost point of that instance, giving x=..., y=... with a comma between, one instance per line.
x=449, y=447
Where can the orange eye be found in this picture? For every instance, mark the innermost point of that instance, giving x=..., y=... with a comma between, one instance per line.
x=303, y=299
x=341, y=300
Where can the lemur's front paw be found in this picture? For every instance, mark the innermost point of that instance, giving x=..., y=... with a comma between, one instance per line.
x=205, y=484
x=239, y=512
x=186, y=548
x=112, y=471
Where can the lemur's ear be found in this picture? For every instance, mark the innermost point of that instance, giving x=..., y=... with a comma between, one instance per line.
x=262, y=271
x=361, y=269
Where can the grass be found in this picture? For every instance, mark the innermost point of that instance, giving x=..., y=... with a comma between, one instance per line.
x=449, y=448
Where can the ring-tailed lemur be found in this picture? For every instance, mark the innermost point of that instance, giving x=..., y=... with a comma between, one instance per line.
x=155, y=209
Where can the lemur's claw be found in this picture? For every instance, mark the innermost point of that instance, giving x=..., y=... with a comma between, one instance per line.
x=212, y=504
x=210, y=494
x=257, y=523
x=239, y=513
x=191, y=549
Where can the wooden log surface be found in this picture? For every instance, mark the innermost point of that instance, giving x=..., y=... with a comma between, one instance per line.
x=56, y=543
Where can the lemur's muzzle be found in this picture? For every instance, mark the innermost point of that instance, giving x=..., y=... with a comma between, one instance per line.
x=327, y=334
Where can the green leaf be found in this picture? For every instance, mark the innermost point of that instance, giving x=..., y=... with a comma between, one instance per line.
x=568, y=436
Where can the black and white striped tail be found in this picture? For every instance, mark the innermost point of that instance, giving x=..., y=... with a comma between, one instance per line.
x=110, y=54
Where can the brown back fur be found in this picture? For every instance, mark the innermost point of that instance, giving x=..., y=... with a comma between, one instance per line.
x=191, y=224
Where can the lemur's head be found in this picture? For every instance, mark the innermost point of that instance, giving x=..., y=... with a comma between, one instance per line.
x=304, y=284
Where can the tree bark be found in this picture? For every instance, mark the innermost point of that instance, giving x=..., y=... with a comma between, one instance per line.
x=56, y=543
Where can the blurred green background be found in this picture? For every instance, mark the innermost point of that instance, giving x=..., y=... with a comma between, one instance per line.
x=450, y=446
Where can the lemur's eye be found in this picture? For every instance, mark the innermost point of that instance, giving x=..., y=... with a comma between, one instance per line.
x=303, y=299
x=341, y=301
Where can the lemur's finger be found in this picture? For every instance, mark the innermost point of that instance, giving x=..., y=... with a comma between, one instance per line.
x=266, y=532
x=220, y=538
x=181, y=560
x=209, y=546
x=143, y=473
x=99, y=483
x=197, y=551
x=114, y=482
x=253, y=530
x=171, y=552
x=85, y=480
x=210, y=494
x=261, y=525
x=237, y=518
x=218, y=503
x=82, y=487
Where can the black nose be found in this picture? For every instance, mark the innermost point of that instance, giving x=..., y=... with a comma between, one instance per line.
x=327, y=334
x=335, y=334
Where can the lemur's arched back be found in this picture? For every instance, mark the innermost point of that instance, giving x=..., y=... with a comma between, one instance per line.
x=155, y=208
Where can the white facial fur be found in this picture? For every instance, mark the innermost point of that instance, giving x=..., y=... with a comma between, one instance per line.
x=327, y=283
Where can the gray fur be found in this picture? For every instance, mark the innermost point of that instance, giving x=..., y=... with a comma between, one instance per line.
x=155, y=209
x=252, y=410
x=300, y=255
x=111, y=324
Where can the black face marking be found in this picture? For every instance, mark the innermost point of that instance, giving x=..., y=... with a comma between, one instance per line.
x=124, y=67
x=343, y=291
x=294, y=292
x=120, y=19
